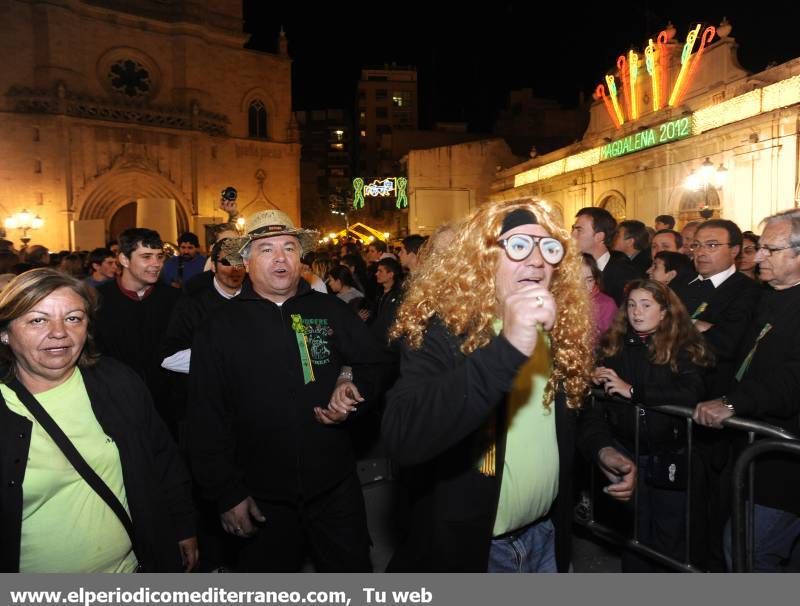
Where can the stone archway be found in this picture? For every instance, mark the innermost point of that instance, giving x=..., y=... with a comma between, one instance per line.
x=614, y=202
x=108, y=193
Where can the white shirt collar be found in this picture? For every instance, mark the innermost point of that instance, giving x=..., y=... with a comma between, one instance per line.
x=222, y=292
x=719, y=278
x=603, y=260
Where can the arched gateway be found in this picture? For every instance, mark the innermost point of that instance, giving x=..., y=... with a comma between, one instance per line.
x=109, y=196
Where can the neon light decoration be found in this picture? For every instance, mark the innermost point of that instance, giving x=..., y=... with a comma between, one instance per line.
x=380, y=188
x=600, y=93
x=633, y=67
x=652, y=71
x=663, y=67
x=383, y=188
x=657, y=63
x=402, y=197
x=622, y=66
x=705, y=38
x=666, y=132
x=612, y=89
x=686, y=57
x=358, y=196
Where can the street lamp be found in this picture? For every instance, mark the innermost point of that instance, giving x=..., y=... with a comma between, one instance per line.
x=705, y=178
x=24, y=221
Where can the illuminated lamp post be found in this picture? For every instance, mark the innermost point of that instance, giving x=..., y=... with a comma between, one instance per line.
x=705, y=178
x=24, y=221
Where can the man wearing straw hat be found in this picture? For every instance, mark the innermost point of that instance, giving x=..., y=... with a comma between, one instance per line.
x=267, y=404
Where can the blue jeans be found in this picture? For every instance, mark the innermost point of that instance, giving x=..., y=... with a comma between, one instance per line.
x=777, y=544
x=533, y=550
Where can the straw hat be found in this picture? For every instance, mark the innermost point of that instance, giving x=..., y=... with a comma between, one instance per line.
x=266, y=224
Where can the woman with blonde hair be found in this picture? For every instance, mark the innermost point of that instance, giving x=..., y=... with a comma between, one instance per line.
x=651, y=355
x=496, y=353
x=96, y=484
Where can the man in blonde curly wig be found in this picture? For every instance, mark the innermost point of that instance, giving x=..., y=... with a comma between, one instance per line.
x=495, y=331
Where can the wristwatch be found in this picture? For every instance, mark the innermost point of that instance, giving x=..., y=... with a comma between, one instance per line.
x=727, y=404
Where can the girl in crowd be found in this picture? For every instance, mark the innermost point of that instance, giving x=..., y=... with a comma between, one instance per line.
x=603, y=307
x=652, y=355
x=341, y=283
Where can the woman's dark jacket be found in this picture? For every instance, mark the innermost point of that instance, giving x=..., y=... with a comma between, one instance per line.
x=436, y=427
x=157, y=485
x=606, y=423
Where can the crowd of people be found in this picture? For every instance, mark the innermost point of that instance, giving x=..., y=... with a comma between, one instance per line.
x=206, y=413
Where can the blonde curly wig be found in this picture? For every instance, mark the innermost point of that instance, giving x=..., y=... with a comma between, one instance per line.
x=457, y=284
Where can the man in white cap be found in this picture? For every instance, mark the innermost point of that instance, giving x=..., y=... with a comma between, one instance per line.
x=266, y=404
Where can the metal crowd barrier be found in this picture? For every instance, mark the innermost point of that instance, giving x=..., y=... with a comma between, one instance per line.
x=742, y=524
x=741, y=528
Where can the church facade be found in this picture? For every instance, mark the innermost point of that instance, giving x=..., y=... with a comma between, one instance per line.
x=116, y=114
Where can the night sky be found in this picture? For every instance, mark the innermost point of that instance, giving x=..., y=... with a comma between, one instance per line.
x=468, y=59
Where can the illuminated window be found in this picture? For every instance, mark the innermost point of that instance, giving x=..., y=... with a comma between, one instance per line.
x=401, y=98
x=339, y=134
x=363, y=133
x=257, y=120
x=338, y=146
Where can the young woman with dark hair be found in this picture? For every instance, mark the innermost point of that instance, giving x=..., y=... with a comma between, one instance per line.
x=603, y=307
x=652, y=355
x=340, y=282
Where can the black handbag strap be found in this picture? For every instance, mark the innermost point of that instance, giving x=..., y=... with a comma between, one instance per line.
x=72, y=454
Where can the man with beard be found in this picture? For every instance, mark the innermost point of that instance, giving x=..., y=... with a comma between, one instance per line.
x=178, y=270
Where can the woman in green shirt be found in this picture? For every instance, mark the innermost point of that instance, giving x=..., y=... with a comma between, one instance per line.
x=52, y=519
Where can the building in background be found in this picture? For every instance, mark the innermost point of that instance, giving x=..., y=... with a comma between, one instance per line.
x=680, y=128
x=326, y=166
x=531, y=125
x=139, y=112
x=387, y=102
x=447, y=183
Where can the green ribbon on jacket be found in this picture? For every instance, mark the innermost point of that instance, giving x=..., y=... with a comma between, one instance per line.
x=746, y=364
x=700, y=309
x=302, y=345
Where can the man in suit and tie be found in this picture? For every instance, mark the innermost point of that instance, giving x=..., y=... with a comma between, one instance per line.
x=721, y=302
x=765, y=388
x=593, y=232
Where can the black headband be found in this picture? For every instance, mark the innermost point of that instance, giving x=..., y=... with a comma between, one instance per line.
x=515, y=218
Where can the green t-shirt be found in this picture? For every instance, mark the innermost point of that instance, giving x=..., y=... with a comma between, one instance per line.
x=530, y=469
x=66, y=526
